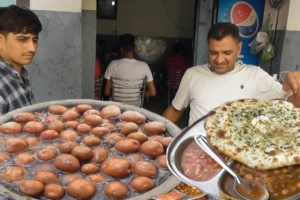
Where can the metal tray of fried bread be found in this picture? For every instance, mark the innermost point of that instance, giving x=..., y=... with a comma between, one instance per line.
x=175, y=148
x=212, y=186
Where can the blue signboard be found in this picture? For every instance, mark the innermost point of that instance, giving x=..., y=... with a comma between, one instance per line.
x=248, y=16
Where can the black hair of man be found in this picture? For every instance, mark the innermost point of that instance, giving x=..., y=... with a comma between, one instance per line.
x=223, y=29
x=126, y=42
x=178, y=48
x=102, y=43
x=14, y=19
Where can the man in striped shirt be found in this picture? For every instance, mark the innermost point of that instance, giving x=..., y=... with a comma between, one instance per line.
x=19, y=29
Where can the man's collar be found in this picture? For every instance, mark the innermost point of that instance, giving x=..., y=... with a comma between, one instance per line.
x=237, y=67
x=6, y=66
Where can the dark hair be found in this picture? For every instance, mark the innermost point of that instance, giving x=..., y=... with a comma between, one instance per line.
x=178, y=48
x=14, y=19
x=223, y=29
x=126, y=42
x=102, y=43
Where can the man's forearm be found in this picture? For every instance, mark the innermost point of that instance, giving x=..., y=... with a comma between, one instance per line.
x=172, y=114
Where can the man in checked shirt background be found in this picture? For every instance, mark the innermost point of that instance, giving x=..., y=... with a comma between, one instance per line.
x=19, y=29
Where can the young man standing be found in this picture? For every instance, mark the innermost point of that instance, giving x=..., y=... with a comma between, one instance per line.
x=19, y=30
x=128, y=68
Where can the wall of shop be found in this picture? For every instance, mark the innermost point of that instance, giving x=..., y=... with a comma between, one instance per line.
x=89, y=32
x=155, y=18
x=56, y=70
x=286, y=32
x=290, y=59
x=278, y=21
x=203, y=23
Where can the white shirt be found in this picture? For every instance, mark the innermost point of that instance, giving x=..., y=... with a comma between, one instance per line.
x=128, y=69
x=128, y=76
x=204, y=89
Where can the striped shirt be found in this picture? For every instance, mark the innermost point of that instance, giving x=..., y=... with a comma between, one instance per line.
x=15, y=89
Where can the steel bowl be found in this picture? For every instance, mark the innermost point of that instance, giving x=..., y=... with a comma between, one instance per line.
x=228, y=196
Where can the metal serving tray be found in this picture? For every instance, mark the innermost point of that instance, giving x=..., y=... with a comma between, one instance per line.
x=210, y=187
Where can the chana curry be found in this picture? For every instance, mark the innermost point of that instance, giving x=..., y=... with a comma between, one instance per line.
x=281, y=183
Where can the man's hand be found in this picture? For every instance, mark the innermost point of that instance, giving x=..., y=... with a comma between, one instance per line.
x=292, y=82
x=150, y=89
x=107, y=89
x=291, y=85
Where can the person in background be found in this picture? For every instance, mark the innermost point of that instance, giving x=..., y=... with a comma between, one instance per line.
x=101, y=52
x=178, y=60
x=128, y=67
x=98, y=65
x=175, y=66
x=98, y=82
x=19, y=30
x=223, y=79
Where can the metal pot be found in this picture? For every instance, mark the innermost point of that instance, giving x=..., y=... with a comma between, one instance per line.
x=172, y=129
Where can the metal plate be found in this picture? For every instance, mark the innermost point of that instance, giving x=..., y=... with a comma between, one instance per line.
x=172, y=129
